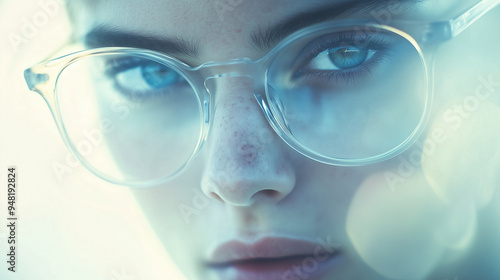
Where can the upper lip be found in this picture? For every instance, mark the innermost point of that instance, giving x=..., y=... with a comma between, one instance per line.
x=265, y=248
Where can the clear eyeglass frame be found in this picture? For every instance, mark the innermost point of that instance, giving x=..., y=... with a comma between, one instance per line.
x=425, y=37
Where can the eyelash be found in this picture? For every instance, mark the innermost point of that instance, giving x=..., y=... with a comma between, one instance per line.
x=119, y=65
x=341, y=77
x=345, y=76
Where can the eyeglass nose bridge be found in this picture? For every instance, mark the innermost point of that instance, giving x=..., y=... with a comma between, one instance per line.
x=230, y=82
x=239, y=67
x=251, y=71
x=215, y=73
x=233, y=80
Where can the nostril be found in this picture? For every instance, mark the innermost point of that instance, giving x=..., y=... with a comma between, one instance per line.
x=271, y=193
x=216, y=197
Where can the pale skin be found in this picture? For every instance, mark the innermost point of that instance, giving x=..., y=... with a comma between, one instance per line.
x=242, y=188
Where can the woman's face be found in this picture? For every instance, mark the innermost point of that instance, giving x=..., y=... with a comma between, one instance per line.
x=250, y=207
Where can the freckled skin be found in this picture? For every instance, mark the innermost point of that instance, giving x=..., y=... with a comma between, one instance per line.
x=256, y=186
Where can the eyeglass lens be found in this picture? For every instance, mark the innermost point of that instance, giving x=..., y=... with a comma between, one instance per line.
x=339, y=93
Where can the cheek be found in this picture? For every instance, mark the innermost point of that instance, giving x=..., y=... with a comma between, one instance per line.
x=175, y=212
x=328, y=191
x=176, y=205
x=162, y=206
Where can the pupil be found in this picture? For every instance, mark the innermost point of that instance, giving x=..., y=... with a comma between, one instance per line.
x=347, y=57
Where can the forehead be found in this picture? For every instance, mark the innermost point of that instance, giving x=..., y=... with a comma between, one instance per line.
x=188, y=15
x=222, y=26
x=201, y=20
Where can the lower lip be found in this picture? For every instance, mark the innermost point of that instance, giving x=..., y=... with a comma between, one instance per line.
x=295, y=268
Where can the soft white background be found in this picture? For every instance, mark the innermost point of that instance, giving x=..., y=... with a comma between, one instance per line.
x=77, y=227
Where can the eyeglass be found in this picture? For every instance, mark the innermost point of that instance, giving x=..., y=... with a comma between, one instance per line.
x=346, y=93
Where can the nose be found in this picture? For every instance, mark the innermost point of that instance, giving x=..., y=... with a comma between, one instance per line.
x=246, y=162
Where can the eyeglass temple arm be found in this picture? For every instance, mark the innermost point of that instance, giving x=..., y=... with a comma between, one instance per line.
x=446, y=30
x=464, y=20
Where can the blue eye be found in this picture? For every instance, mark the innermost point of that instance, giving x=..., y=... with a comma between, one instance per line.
x=133, y=76
x=340, y=58
x=347, y=57
x=158, y=76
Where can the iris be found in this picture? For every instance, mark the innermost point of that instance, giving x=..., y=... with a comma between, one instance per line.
x=348, y=56
x=158, y=76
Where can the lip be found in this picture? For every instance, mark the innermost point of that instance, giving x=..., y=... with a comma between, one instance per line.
x=272, y=258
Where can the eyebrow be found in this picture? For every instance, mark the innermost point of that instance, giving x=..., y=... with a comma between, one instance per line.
x=103, y=36
x=264, y=40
